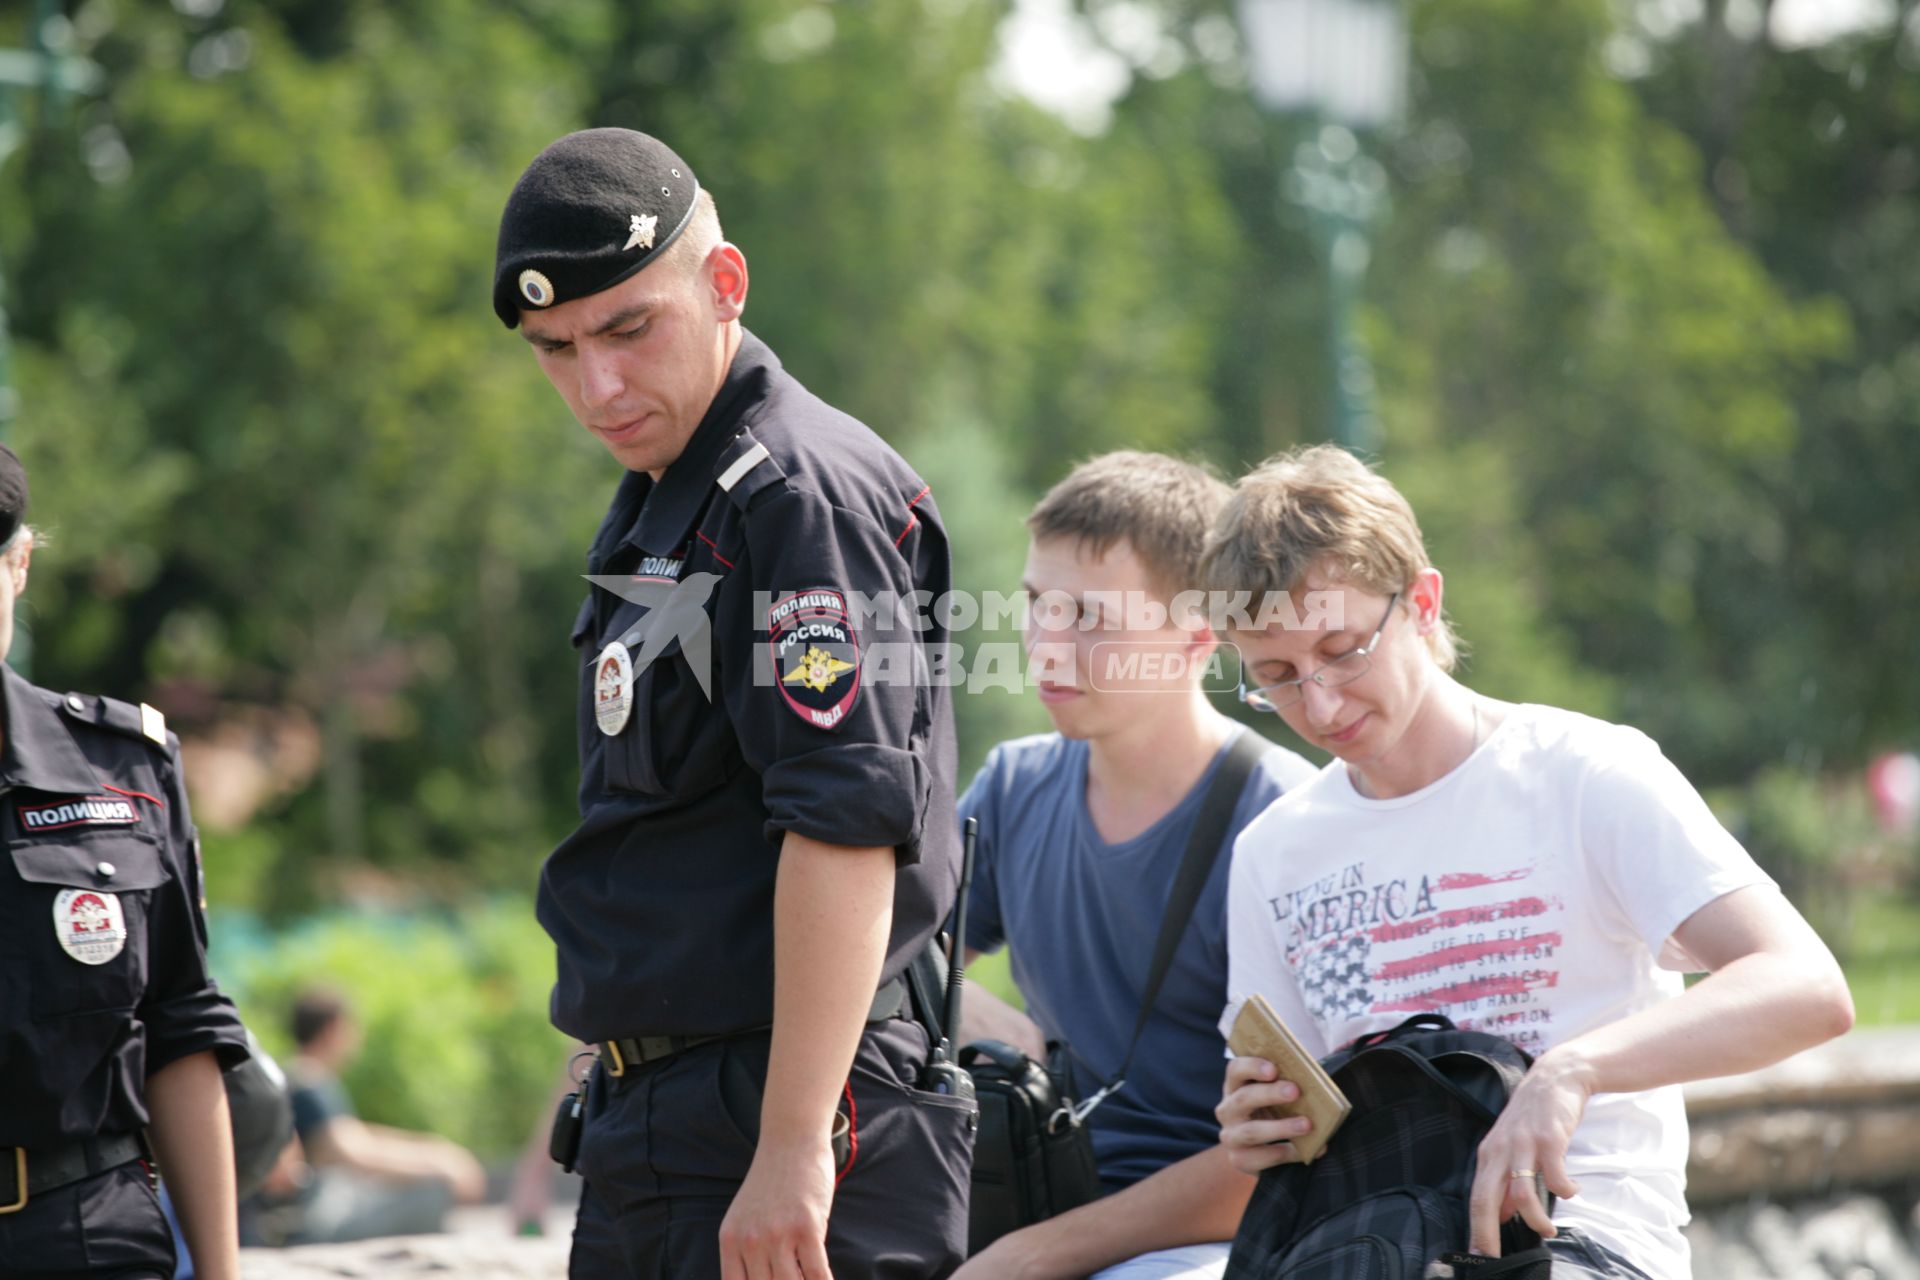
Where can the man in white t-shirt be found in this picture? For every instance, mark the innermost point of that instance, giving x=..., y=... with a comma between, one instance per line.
x=1526, y=871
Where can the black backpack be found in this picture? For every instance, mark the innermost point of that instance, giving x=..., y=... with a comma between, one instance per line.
x=1387, y=1199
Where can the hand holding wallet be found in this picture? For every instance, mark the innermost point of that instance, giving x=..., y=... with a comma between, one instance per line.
x=1258, y=1032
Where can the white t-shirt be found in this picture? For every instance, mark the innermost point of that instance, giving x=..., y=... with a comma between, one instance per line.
x=1532, y=893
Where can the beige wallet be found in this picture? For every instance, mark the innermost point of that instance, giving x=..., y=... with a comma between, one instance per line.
x=1259, y=1033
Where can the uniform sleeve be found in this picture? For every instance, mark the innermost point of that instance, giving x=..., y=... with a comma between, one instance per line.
x=832, y=698
x=1256, y=959
x=184, y=1012
x=985, y=929
x=1653, y=848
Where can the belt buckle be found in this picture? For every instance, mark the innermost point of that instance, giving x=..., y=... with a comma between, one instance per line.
x=20, y=1172
x=619, y=1066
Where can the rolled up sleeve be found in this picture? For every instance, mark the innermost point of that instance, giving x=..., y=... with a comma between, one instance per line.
x=828, y=696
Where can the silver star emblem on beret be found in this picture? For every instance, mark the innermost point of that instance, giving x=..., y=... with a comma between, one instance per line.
x=642, y=231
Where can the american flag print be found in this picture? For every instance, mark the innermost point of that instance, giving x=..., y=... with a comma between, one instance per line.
x=1478, y=947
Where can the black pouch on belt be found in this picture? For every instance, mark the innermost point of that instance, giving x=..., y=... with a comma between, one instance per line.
x=564, y=1143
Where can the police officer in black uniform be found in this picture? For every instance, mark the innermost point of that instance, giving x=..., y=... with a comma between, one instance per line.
x=767, y=833
x=112, y=1036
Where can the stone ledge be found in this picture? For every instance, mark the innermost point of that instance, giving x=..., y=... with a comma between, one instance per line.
x=1844, y=1115
x=475, y=1247
x=1874, y=1065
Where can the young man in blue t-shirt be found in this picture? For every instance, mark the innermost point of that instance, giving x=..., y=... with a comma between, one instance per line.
x=1081, y=833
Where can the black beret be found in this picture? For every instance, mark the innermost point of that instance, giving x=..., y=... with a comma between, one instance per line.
x=13, y=493
x=590, y=211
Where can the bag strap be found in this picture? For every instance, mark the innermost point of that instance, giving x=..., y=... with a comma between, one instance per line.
x=1001, y=1054
x=1531, y=1264
x=1196, y=864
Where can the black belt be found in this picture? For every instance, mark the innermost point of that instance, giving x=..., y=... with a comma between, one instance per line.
x=622, y=1055
x=25, y=1174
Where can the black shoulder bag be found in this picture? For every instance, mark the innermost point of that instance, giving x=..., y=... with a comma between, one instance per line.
x=1033, y=1154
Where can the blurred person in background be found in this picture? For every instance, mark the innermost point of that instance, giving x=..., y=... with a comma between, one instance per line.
x=112, y=1034
x=367, y=1179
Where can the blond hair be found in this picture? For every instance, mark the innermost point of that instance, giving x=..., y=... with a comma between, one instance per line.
x=702, y=235
x=1320, y=510
x=1161, y=506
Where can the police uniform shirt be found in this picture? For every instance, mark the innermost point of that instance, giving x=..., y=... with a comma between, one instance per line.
x=103, y=967
x=751, y=548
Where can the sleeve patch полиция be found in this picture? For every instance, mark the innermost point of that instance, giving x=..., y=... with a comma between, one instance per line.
x=816, y=659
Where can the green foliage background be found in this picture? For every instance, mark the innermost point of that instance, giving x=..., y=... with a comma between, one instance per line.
x=453, y=1011
x=1642, y=318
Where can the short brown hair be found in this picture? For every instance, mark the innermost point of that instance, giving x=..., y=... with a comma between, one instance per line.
x=1162, y=506
x=314, y=1010
x=1319, y=509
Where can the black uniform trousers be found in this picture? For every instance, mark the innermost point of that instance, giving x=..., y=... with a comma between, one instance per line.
x=667, y=1145
x=108, y=1227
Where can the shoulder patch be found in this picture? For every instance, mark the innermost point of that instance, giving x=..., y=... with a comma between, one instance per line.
x=134, y=720
x=744, y=468
x=741, y=465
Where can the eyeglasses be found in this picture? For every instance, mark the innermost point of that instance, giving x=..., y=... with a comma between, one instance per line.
x=1344, y=669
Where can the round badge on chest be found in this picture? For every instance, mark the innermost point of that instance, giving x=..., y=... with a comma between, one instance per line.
x=612, y=688
x=91, y=926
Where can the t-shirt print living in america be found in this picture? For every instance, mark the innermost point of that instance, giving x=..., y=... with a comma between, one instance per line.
x=1483, y=944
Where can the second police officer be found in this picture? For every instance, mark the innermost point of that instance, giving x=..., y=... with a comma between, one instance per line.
x=112, y=1034
x=767, y=833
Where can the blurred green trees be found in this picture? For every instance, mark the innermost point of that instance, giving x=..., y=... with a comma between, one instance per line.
x=1643, y=326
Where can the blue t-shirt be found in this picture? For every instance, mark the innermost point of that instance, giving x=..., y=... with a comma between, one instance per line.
x=318, y=1100
x=1081, y=916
